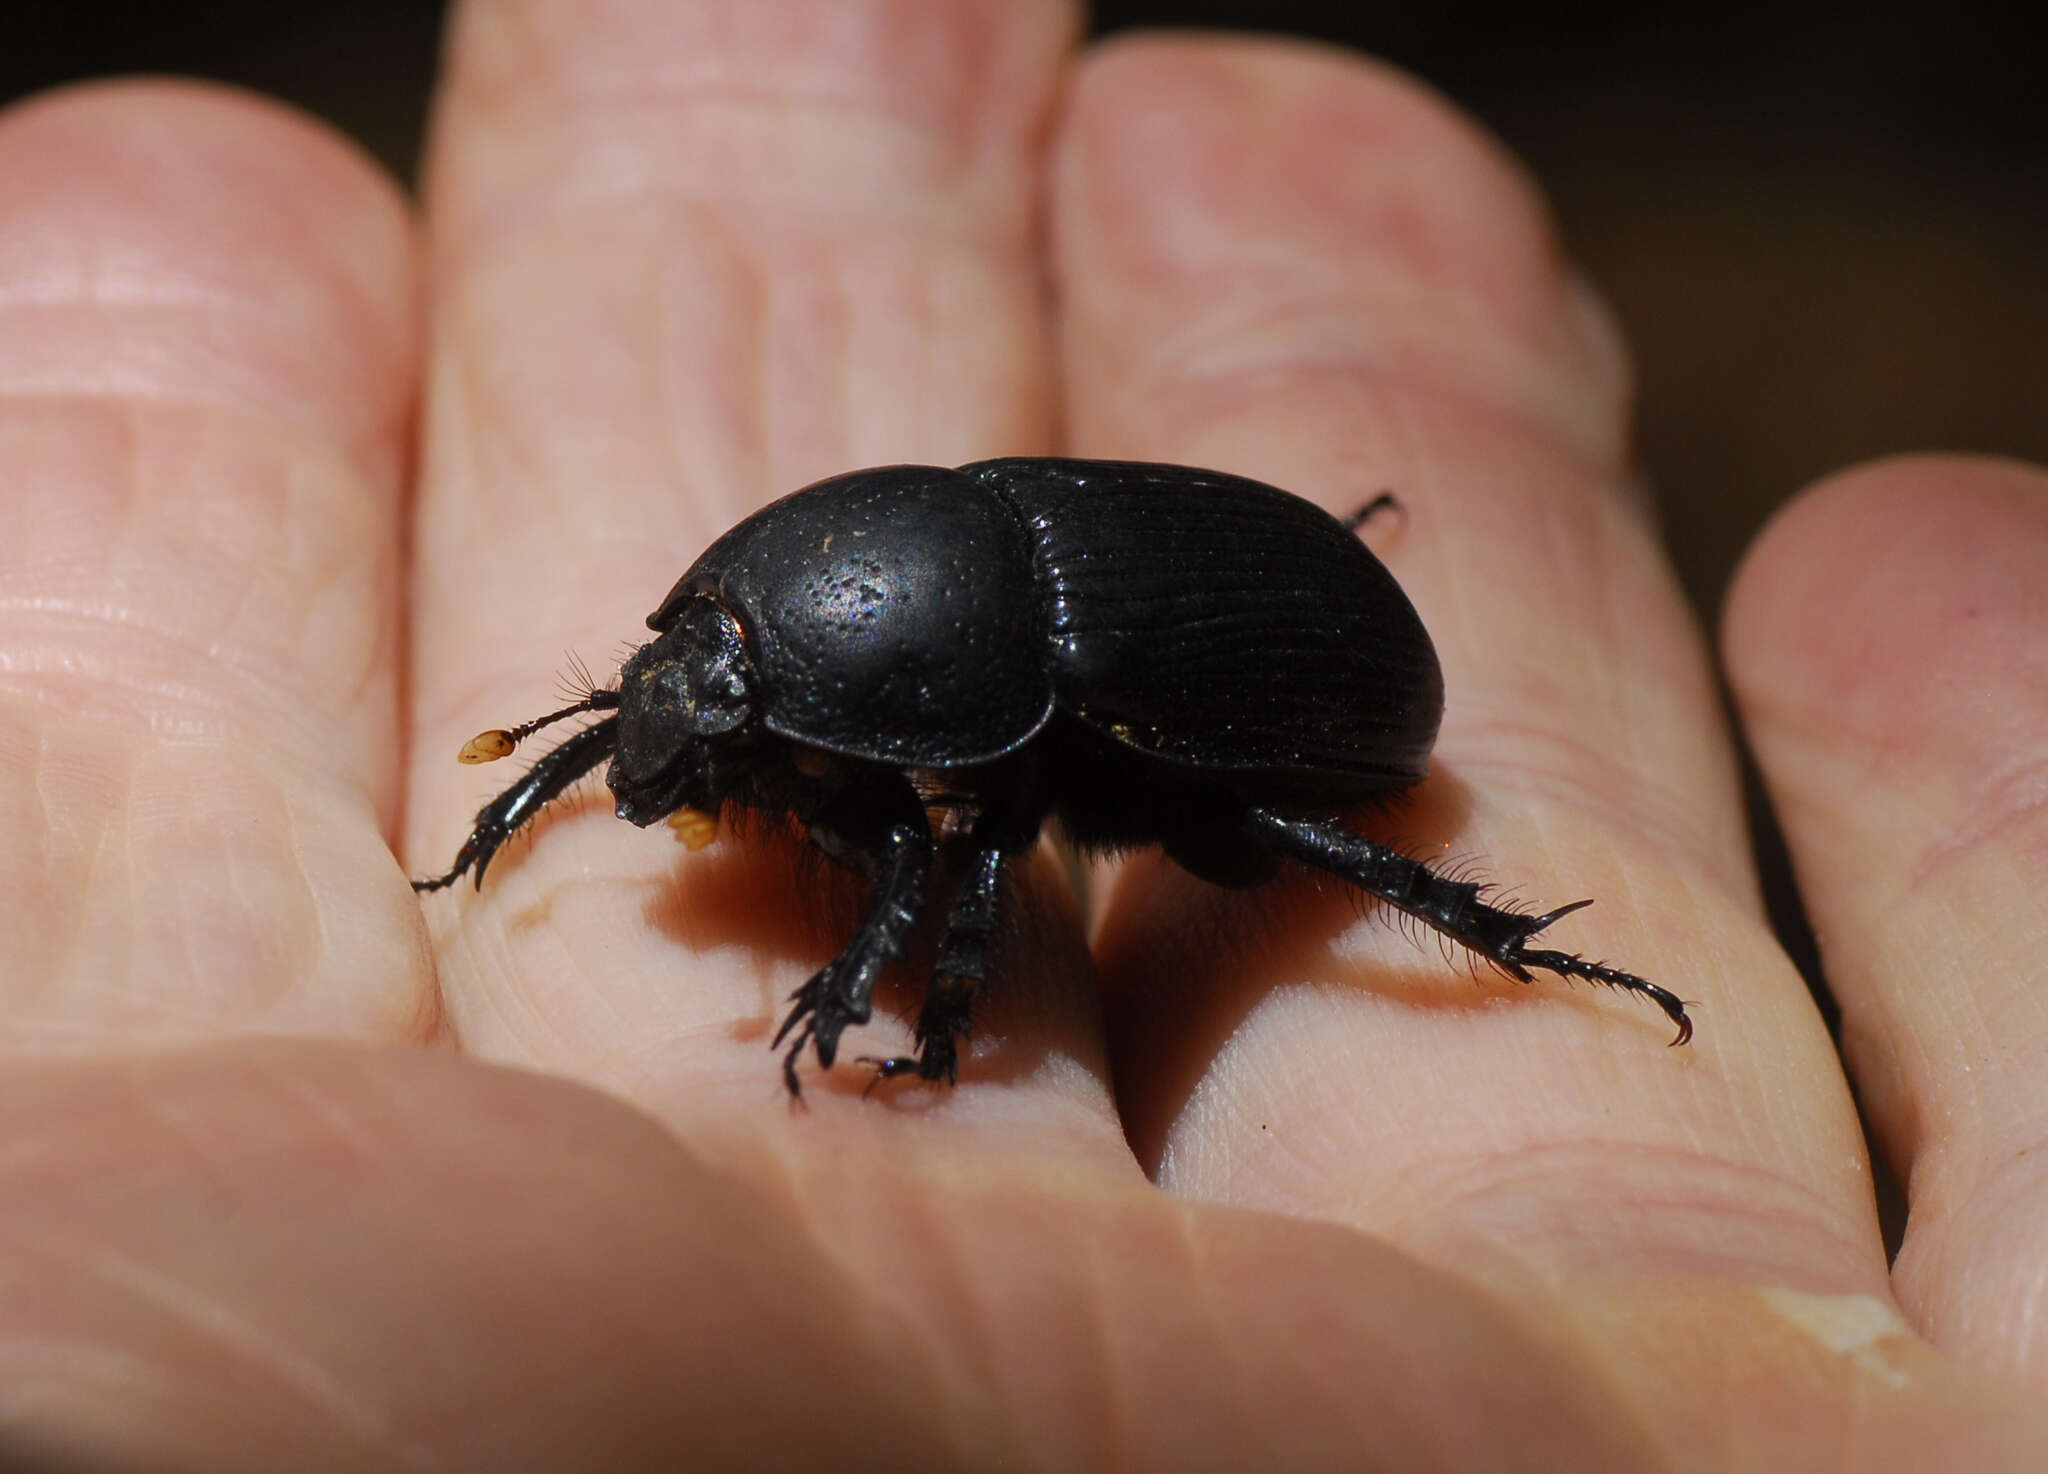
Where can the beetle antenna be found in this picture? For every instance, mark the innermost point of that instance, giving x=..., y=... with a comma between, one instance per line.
x=488, y=747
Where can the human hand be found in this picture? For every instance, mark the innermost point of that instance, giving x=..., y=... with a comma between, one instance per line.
x=287, y=1184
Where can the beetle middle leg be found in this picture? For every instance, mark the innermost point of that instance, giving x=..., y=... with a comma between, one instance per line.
x=947, y=1017
x=1452, y=907
x=878, y=828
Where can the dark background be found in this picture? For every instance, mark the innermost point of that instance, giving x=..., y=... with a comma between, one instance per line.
x=1825, y=229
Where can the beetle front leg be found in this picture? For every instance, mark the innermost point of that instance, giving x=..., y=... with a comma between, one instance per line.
x=878, y=828
x=1452, y=907
x=508, y=813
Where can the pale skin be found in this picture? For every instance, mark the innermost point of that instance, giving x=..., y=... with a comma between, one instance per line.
x=297, y=1173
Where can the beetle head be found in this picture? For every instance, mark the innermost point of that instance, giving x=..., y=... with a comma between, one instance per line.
x=683, y=697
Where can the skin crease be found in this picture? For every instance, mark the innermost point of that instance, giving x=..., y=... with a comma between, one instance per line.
x=294, y=1174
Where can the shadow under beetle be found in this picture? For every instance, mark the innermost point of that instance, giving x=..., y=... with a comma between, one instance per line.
x=910, y=656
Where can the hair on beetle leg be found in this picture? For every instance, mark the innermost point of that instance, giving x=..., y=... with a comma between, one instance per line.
x=1460, y=868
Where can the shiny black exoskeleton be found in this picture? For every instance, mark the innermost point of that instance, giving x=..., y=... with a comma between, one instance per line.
x=913, y=657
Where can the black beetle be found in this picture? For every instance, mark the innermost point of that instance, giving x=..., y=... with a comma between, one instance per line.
x=912, y=656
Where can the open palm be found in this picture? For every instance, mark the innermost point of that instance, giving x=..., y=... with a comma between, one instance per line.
x=293, y=1176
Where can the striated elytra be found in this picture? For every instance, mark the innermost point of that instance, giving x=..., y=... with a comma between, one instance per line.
x=912, y=658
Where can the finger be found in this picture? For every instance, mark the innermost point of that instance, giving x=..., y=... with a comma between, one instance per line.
x=273, y=1255
x=576, y=1288
x=1887, y=642
x=205, y=391
x=693, y=257
x=1336, y=285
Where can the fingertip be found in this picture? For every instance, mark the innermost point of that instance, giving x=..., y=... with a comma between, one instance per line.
x=1237, y=215
x=271, y=255
x=1899, y=599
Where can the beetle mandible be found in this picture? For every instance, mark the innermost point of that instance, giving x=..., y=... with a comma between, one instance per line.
x=1149, y=654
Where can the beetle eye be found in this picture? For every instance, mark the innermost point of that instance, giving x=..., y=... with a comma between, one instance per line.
x=713, y=713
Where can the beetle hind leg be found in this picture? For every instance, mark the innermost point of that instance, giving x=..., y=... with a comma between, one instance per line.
x=1452, y=907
